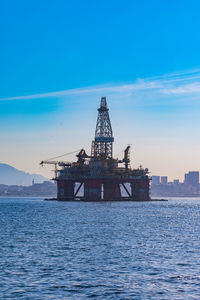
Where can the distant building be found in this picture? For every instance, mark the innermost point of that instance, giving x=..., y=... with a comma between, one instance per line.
x=192, y=178
x=155, y=180
x=163, y=180
x=176, y=181
x=186, y=180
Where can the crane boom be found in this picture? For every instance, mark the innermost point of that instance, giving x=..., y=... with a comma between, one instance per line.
x=56, y=164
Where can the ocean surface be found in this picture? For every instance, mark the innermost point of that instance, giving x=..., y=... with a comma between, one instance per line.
x=58, y=250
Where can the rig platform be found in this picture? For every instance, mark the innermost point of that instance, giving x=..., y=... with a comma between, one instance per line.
x=99, y=176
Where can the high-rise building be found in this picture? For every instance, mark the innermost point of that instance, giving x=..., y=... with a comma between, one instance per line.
x=186, y=181
x=192, y=178
x=176, y=181
x=155, y=180
x=163, y=180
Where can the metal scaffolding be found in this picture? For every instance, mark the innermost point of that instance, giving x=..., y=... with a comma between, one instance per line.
x=103, y=142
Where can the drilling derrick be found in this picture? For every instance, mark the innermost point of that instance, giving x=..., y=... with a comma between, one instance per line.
x=98, y=177
x=102, y=146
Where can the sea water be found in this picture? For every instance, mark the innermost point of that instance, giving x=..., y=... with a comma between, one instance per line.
x=119, y=250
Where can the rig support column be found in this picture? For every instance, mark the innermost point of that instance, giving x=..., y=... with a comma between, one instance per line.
x=111, y=190
x=92, y=189
x=140, y=190
x=65, y=189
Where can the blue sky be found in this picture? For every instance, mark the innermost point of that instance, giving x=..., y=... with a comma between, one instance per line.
x=58, y=58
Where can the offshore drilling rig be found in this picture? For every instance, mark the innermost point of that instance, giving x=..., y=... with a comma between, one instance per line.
x=99, y=176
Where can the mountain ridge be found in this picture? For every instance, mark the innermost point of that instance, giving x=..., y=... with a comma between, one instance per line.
x=10, y=175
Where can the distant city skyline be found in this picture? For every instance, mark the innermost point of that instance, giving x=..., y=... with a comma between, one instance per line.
x=191, y=177
x=59, y=58
x=190, y=187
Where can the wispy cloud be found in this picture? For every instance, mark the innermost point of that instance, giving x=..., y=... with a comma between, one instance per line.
x=184, y=89
x=177, y=84
x=139, y=85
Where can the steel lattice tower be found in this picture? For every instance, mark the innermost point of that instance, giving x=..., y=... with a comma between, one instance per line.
x=102, y=146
